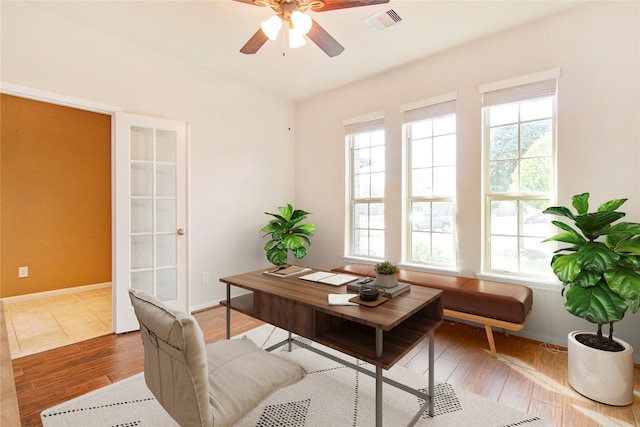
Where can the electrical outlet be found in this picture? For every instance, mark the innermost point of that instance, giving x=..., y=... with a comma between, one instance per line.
x=205, y=277
x=23, y=272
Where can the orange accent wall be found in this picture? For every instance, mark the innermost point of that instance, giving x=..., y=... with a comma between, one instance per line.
x=55, y=190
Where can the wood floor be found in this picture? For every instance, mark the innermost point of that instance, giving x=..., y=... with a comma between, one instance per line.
x=525, y=376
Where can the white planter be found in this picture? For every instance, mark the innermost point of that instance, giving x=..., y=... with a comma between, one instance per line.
x=386, y=280
x=603, y=376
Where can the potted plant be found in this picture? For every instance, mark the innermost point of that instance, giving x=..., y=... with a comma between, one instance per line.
x=386, y=274
x=287, y=234
x=599, y=271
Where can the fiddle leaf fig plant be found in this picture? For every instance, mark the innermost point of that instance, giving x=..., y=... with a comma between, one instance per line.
x=600, y=266
x=287, y=234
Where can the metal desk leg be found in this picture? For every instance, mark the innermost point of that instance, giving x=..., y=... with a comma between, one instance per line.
x=431, y=373
x=228, y=311
x=379, y=337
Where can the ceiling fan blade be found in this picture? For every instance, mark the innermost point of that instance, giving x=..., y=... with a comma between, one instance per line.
x=344, y=4
x=255, y=43
x=328, y=44
x=248, y=2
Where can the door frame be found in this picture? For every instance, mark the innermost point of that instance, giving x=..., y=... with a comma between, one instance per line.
x=111, y=110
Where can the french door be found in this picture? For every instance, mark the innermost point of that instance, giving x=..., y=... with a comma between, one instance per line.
x=150, y=214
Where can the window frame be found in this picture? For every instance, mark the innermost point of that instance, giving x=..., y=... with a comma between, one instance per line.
x=353, y=128
x=515, y=92
x=429, y=110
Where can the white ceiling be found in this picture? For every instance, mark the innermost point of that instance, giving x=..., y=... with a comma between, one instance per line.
x=210, y=33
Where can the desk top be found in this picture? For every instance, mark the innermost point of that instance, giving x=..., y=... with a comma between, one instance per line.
x=384, y=316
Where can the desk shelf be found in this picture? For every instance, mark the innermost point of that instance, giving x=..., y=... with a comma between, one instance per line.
x=359, y=340
x=242, y=303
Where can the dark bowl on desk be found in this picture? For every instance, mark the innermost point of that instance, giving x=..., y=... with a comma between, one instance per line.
x=368, y=293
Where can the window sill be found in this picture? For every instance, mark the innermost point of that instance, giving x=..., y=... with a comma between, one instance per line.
x=532, y=283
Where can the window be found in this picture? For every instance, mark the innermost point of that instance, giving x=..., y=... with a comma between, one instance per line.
x=430, y=180
x=365, y=141
x=519, y=161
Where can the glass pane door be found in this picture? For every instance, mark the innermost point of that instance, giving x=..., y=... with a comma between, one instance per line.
x=153, y=204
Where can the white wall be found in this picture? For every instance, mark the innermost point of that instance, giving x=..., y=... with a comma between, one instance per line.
x=597, y=49
x=232, y=178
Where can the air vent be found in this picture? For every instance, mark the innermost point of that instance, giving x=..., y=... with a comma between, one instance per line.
x=385, y=19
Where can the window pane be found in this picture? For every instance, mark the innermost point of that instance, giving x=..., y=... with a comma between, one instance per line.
x=535, y=175
x=377, y=159
x=502, y=175
x=534, y=257
x=361, y=215
x=420, y=247
x=535, y=138
x=421, y=182
x=503, y=114
x=503, y=142
x=533, y=222
x=444, y=150
x=361, y=186
x=444, y=180
x=421, y=153
x=421, y=129
x=377, y=184
x=504, y=253
x=444, y=126
x=376, y=244
x=504, y=216
x=538, y=109
x=442, y=248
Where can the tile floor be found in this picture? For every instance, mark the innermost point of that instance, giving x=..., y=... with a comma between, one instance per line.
x=41, y=324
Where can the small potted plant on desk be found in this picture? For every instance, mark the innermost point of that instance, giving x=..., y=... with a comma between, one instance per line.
x=599, y=271
x=386, y=274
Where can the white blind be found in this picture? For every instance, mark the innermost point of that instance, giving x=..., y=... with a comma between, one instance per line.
x=429, y=112
x=533, y=90
x=364, y=126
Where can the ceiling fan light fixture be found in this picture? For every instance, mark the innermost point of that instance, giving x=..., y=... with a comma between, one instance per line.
x=296, y=39
x=301, y=22
x=271, y=27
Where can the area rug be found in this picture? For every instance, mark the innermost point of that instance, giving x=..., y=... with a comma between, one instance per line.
x=330, y=395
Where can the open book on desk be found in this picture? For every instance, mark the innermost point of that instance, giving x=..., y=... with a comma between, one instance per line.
x=329, y=278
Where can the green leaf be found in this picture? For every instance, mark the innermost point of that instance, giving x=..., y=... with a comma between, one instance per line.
x=594, y=224
x=580, y=203
x=565, y=227
x=611, y=205
x=568, y=237
x=286, y=211
x=587, y=278
x=559, y=211
x=596, y=256
x=277, y=256
x=627, y=245
x=624, y=282
x=292, y=241
x=566, y=267
x=597, y=304
x=300, y=252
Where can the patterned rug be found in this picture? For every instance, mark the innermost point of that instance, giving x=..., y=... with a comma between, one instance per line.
x=330, y=395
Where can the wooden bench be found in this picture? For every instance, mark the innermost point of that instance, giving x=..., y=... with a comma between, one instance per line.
x=493, y=304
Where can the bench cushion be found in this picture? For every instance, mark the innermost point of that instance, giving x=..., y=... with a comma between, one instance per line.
x=502, y=301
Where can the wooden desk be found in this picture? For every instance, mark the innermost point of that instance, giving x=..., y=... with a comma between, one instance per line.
x=380, y=335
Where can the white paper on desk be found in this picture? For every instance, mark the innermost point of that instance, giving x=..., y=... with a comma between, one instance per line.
x=341, y=299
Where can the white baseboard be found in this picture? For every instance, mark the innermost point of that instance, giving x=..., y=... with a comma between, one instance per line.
x=38, y=295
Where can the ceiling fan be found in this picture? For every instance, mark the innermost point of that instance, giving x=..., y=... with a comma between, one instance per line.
x=292, y=12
